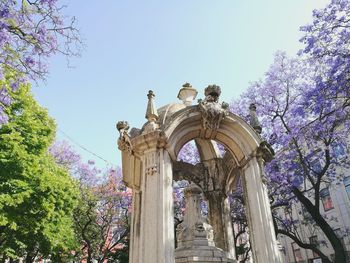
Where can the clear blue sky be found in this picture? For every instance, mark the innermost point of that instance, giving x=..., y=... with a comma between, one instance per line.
x=134, y=46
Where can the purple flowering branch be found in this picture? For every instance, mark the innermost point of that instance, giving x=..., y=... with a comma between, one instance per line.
x=30, y=33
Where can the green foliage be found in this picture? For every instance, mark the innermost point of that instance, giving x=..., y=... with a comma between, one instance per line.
x=101, y=218
x=122, y=255
x=86, y=226
x=37, y=196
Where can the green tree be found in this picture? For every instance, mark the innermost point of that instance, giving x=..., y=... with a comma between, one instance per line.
x=37, y=196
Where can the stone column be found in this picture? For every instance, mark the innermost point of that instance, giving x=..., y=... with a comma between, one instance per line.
x=152, y=228
x=228, y=229
x=216, y=219
x=135, y=227
x=261, y=229
x=214, y=187
x=221, y=221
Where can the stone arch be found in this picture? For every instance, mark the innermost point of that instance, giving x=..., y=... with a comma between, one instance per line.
x=148, y=156
x=236, y=134
x=239, y=138
x=188, y=120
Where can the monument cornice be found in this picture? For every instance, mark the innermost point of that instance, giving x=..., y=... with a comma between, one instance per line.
x=149, y=141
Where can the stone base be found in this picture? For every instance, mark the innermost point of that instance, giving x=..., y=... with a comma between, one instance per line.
x=201, y=254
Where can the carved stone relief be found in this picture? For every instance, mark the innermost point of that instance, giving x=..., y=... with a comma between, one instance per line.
x=124, y=143
x=212, y=111
x=151, y=165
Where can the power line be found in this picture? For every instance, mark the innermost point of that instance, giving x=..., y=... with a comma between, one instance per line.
x=72, y=140
x=83, y=147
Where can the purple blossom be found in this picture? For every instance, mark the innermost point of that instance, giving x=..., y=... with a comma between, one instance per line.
x=189, y=153
x=46, y=31
x=29, y=61
x=3, y=116
x=15, y=86
x=5, y=98
x=4, y=12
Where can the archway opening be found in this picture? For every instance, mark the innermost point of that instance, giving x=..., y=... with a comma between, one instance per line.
x=192, y=167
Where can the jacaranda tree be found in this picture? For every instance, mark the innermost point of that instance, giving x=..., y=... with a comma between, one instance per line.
x=31, y=31
x=310, y=136
x=327, y=44
x=304, y=107
x=101, y=219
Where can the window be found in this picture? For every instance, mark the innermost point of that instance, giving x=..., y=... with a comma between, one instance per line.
x=314, y=242
x=316, y=166
x=115, y=235
x=297, y=253
x=347, y=185
x=305, y=213
x=326, y=199
x=339, y=150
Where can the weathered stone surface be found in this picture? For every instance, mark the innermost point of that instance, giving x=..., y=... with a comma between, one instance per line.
x=148, y=155
x=195, y=236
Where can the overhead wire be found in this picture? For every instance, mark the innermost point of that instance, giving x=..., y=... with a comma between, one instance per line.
x=84, y=148
x=75, y=142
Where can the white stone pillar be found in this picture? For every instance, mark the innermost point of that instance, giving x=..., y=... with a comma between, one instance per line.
x=135, y=227
x=154, y=239
x=230, y=243
x=261, y=229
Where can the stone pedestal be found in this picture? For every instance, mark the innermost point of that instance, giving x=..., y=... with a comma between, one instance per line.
x=201, y=254
x=195, y=236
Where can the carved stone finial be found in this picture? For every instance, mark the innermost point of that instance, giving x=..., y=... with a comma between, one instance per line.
x=151, y=112
x=212, y=111
x=254, y=121
x=122, y=125
x=124, y=143
x=187, y=94
x=212, y=92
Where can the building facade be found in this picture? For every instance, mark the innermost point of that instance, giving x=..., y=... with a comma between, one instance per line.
x=335, y=206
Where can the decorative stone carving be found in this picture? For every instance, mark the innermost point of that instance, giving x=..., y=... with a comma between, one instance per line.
x=187, y=94
x=151, y=170
x=266, y=151
x=151, y=164
x=162, y=140
x=212, y=111
x=254, y=121
x=211, y=177
x=194, y=230
x=124, y=143
x=195, y=235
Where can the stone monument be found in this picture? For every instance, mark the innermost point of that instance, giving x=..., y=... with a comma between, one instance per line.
x=149, y=163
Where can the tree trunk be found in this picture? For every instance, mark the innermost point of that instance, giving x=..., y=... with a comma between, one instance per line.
x=339, y=251
x=89, y=257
